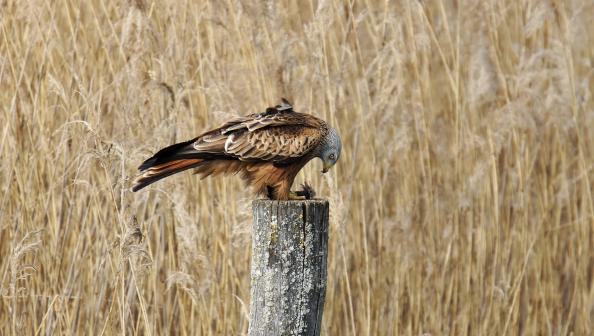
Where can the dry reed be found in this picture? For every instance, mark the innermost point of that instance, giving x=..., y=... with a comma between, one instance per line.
x=462, y=204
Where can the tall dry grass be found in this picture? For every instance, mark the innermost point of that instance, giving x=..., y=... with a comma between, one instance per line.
x=462, y=204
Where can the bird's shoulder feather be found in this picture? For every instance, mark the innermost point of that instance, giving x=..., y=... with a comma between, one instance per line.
x=277, y=135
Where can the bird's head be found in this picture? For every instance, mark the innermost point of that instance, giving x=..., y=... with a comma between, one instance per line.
x=330, y=149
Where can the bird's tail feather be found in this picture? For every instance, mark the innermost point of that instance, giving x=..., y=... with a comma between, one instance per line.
x=168, y=161
x=155, y=173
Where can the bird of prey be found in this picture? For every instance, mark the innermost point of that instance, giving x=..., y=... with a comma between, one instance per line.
x=266, y=149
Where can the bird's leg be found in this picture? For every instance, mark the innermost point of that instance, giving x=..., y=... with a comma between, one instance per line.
x=270, y=192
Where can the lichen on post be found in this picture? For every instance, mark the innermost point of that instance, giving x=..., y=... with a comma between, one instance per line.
x=289, y=252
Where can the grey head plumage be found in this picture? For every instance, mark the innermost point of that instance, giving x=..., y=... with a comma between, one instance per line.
x=330, y=148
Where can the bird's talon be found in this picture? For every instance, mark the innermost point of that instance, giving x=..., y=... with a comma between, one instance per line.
x=293, y=196
x=306, y=191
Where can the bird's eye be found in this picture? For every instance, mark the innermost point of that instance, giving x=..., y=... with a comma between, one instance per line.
x=331, y=157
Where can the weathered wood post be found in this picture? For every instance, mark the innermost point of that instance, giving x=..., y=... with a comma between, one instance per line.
x=289, y=252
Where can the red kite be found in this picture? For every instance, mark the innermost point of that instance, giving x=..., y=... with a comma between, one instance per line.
x=267, y=150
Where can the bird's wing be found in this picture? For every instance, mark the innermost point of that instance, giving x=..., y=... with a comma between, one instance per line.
x=277, y=135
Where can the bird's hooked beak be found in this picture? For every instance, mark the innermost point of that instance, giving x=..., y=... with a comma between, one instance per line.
x=326, y=167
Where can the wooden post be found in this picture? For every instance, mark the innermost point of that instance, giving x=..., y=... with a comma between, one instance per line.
x=289, y=252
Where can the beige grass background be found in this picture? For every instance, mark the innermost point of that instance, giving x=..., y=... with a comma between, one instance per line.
x=462, y=204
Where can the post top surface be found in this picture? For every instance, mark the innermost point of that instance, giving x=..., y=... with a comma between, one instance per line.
x=310, y=202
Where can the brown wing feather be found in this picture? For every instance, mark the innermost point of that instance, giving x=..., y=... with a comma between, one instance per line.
x=276, y=144
x=274, y=137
